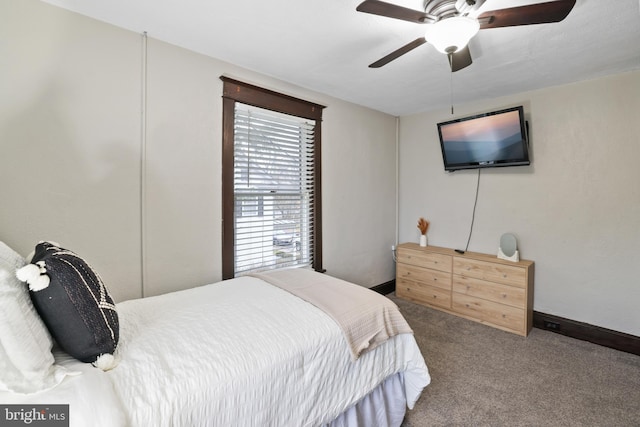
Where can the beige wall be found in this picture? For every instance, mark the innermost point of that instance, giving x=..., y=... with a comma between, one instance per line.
x=575, y=210
x=69, y=138
x=70, y=165
x=71, y=156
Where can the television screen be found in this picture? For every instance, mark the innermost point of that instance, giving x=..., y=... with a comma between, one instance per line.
x=494, y=139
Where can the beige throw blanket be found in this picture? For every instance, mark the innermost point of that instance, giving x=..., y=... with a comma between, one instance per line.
x=367, y=318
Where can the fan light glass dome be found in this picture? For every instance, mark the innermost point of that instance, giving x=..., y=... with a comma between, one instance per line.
x=452, y=34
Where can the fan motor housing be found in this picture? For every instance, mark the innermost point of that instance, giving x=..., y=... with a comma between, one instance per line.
x=442, y=9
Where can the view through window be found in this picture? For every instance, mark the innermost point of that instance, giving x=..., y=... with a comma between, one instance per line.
x=273, y=189
x=271, y=180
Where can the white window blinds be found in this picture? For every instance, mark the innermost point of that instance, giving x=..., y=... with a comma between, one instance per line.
x=273, y=189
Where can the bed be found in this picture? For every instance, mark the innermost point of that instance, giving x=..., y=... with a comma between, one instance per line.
x=255, y=350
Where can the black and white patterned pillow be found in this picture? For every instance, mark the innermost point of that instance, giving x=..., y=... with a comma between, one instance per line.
x=74, y=304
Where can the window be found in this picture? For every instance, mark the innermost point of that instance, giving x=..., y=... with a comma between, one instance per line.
x=271, y=181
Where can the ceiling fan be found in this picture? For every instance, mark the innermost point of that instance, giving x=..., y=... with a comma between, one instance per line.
x=452, y=23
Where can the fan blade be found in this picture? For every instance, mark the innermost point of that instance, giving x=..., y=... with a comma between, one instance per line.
x=399, y=52
x=389, y=10
x=460, y=59
x=540, y=13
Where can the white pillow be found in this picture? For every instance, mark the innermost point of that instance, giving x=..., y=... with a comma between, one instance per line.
x=26, y=363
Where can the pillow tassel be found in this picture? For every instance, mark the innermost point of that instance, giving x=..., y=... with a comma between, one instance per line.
x=34, y=275
x=105, y=362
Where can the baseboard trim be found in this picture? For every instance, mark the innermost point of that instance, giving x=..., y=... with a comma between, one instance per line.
x=586, y=332
x=385, y=288
x=560, y=325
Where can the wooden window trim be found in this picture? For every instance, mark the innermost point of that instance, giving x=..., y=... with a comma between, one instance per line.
x=236, y=91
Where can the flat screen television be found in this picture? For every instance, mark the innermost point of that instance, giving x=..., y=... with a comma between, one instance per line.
x=494, y=139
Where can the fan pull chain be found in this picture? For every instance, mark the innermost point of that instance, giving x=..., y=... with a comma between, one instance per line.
x=451, y=88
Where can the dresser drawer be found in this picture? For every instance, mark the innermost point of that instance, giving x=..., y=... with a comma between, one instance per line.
x=490, y=312
x=425, y=259
x=423, y=293
x=491, y=271
x=430, y=277
x=503, y=294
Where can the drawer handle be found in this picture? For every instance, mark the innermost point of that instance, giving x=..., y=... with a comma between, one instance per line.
x=435, y=279
x=504, y=295
x=468, y=268
x=504, y=275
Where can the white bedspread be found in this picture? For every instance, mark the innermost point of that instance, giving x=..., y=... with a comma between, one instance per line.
x=236, y=353
x=234, y=374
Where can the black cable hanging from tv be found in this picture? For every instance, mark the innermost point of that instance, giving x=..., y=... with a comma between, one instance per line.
x=473, y=214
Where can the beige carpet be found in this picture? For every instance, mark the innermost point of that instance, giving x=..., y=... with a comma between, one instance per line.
x=481, y=376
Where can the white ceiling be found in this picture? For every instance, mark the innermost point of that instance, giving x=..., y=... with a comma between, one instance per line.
x=326, y=46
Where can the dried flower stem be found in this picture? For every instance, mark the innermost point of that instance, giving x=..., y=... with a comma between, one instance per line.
x=423, y=225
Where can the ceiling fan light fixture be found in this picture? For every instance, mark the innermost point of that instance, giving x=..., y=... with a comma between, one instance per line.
x=449, y=35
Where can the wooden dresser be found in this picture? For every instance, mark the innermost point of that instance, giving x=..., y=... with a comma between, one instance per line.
x=475, y=286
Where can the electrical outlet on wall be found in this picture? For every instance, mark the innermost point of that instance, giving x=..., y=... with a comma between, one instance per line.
x=553, y=326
